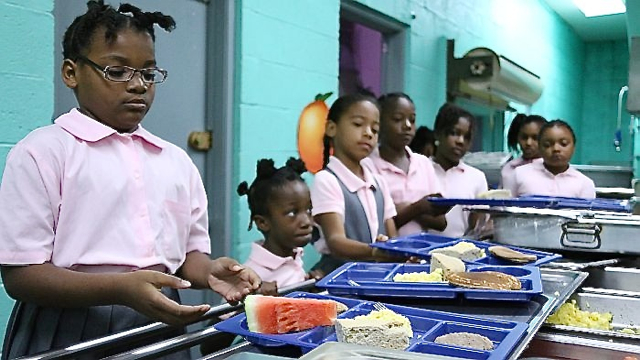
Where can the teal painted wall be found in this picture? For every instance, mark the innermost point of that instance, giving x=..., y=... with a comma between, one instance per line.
x=279, y=77
x=276, y=80
x=26, y=75
x=608, y=71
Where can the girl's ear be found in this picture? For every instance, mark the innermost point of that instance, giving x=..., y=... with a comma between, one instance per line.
x=68, y=72
x=330, y=128
x=262, y=223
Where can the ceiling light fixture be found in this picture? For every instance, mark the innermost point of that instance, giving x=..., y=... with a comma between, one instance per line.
x=592, y=8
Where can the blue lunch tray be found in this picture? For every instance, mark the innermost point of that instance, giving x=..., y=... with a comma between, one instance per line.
x=540, y=201
x=427, y=325
x=376, y=279
x=420, y=245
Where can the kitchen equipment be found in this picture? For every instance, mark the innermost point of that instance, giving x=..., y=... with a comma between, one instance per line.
x=420, y=245
x=375, y=279
x=426, y=325
x=570, y=230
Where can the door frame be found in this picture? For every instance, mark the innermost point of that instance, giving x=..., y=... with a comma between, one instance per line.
x=220, y=110
x=394, y=37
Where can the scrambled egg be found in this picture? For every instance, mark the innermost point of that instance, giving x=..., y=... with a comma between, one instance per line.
x=463, y=246
x=387, y=315
x=435, y=276
x=630, y=331
x=569, y=314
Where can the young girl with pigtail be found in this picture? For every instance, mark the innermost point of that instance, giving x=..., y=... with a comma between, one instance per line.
x=280, y=206
x=351, y=204
x=101, y=222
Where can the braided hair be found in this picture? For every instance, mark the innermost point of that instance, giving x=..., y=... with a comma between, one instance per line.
x=78, y=36
x=338, y=108
x=268, y=179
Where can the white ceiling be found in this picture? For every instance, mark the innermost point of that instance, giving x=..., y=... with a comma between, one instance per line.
x=610, y=27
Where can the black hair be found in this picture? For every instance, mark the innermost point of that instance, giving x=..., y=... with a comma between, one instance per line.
x=423, y=136
x=558, y=123
x=77, y=38
x=518, y=122
x=448, y=116
x=339, y=107
x=268, y=178
x=390, y=99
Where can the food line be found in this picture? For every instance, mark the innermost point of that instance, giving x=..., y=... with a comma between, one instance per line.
x=616, y=287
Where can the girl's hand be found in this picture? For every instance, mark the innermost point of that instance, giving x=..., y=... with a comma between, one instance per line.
x=232, y=280
x=268, y=288
x=380, y=255
x=315, y=274
x=141, y=291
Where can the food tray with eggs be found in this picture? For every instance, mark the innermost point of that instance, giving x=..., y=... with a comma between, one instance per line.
x=600, y=314
x=427, y=325
x=421, y=245
x=377, y=279
x=539, y=201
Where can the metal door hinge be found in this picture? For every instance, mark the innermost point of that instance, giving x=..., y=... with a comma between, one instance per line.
x=200, y=140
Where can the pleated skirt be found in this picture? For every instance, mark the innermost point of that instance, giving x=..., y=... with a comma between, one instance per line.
x=33, y=329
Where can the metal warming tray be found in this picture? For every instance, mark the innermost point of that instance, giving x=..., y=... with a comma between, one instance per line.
x=565, y=229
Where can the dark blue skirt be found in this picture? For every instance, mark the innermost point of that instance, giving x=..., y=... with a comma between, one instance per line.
x=33, y=329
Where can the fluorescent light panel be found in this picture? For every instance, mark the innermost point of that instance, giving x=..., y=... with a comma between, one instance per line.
x=592, y=8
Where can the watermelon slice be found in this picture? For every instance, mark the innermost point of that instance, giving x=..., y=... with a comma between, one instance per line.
x=280, y=315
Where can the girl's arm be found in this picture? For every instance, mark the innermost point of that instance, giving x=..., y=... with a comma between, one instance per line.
x=337, y=241
x=428, y=216
x=390, y=226
x=48, y=285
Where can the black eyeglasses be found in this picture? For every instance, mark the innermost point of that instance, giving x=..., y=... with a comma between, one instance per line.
x=152, y=75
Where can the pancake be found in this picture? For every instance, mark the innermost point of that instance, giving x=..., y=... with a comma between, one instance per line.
x=508, y=254
x=485, y=280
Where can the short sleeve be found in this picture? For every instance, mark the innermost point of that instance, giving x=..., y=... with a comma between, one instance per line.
x=588, y=189
x=326, y=195
x=199, y=227
x=389, y=206
x=29, y=205
x=511, y=183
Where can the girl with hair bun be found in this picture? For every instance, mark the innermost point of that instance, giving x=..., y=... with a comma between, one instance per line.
x=280, y=206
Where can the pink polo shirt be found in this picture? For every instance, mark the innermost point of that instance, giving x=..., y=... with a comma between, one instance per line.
x=271, y=267
x=535, y=179
x=409, y=187
x=79, y=194
x=327, y=196
x=459, y=182
x=508, y=171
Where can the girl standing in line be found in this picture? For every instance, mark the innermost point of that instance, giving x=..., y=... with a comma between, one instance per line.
x=280, y=205
x=554, y=176
x=423, y=142
x=523, y=132
x=101, y=221
x=351, y=204
x=454, y=132
x=410, y=176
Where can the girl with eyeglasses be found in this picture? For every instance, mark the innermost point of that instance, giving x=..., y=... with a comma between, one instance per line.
x=101, y=222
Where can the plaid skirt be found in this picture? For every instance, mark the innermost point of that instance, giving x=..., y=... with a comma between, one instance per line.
x=33, y=329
